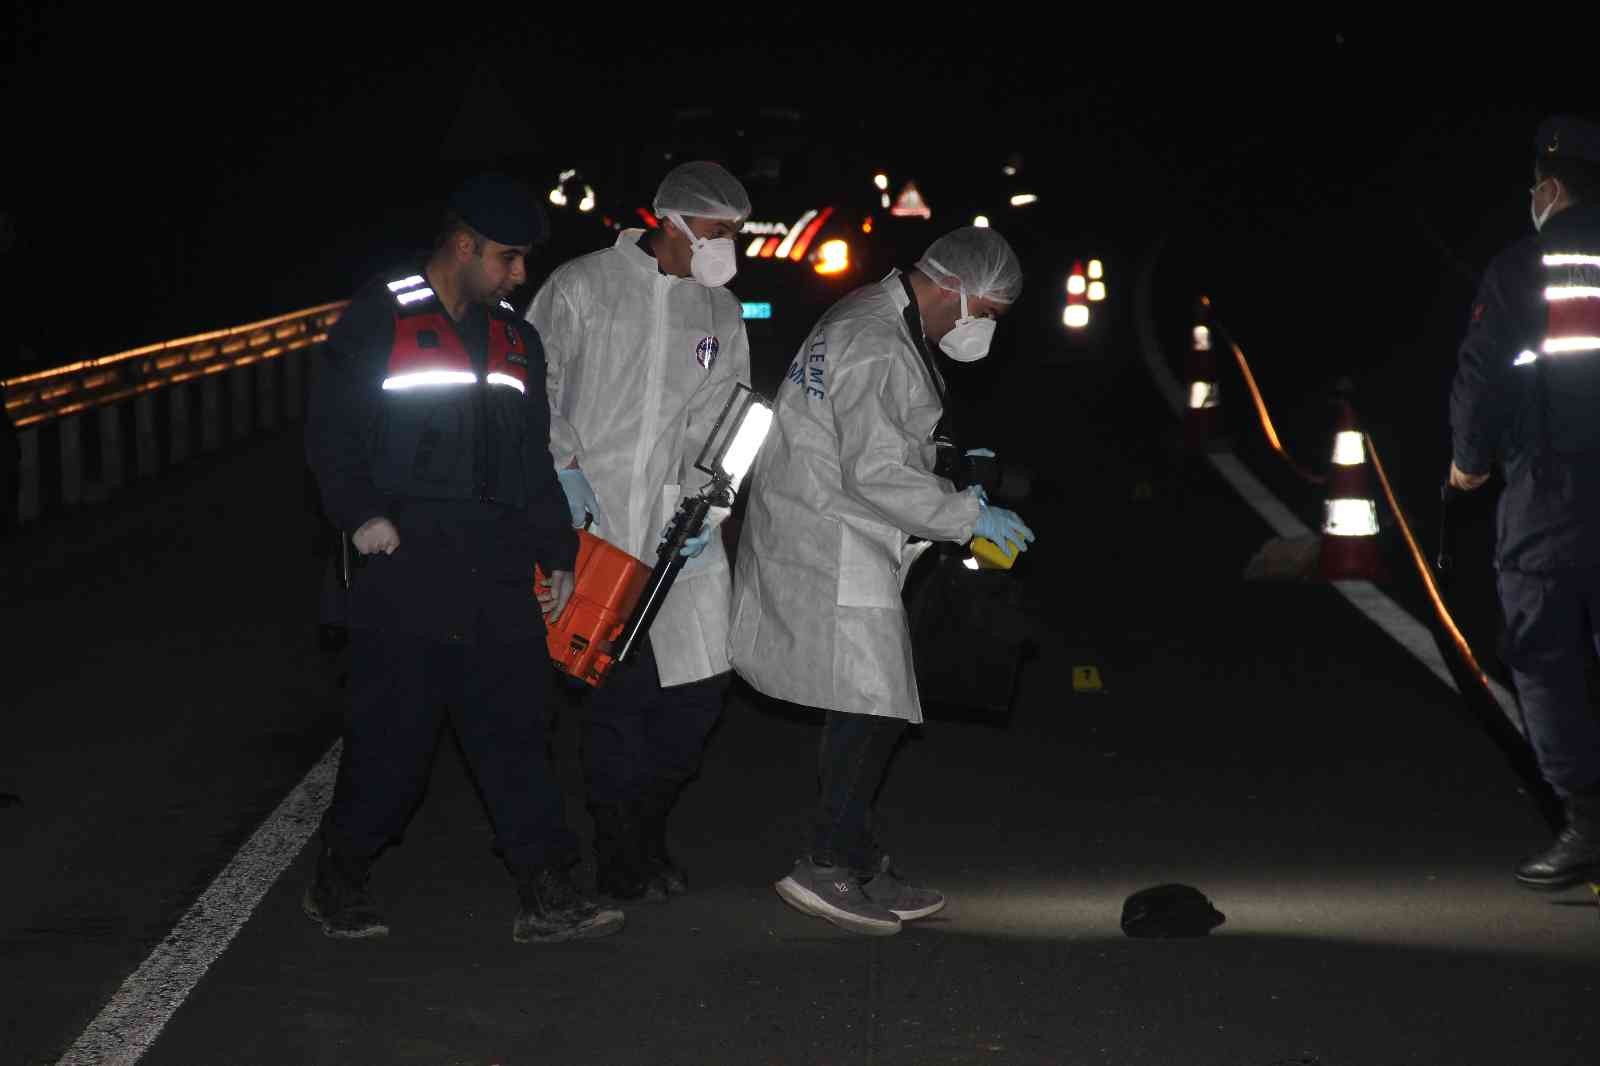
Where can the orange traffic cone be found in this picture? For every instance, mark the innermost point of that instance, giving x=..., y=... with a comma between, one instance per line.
x=1202, y=417
x=1076, y=314
x=1350, y=524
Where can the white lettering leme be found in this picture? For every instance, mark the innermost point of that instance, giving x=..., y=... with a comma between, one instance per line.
x=507, y=380
x=1556, y=345
x=425, y=378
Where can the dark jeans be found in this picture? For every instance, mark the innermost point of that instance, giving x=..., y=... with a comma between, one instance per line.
x=498, y=696
x=640, y=738
x=854, y=754
x=1552, y=630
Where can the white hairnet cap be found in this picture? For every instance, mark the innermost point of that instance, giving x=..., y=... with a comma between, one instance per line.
x=703, y=190
x=975, y=260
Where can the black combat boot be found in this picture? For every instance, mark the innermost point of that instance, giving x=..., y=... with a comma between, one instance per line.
x=550, y=909
x=1575, y=856
x=620, y=872
x=654, y=808
x=339, y=898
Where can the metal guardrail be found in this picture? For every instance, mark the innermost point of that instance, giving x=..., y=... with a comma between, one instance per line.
x=135, y=392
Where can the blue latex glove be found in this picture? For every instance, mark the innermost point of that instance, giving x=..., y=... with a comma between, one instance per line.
x=1000, y=525
x=580, y=495
x=697, y=543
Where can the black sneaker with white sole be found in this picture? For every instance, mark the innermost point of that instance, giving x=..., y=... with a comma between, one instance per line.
x=834, y=894
x=908, y=902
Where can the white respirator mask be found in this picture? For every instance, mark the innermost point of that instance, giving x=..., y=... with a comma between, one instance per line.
x=970, y=339
x=1540, y=217
x=712, y=261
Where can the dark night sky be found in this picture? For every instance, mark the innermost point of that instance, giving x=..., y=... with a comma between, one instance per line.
x=185, y=175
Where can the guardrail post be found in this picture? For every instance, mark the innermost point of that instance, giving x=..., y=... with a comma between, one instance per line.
x=71, y=461
x=210, y=413
x=267, y=392
x=292, y=362
x=110, y=447
x=144, y=434
x=239, y=412
x=28, y=481
x=178, y=413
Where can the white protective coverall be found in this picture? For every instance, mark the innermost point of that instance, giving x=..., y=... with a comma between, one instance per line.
x=844, y=480
x=640, y=363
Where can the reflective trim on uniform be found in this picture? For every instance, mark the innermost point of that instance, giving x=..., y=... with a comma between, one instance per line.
x=1202, y=339
x=1557, y=293
x=508, y=307
x=424, y=378
x=1568, y=259
x=507, y=379
x=1351, y=518
x=406, y=283
x=413, y=296
x=1556, y=345
x=1525, y=358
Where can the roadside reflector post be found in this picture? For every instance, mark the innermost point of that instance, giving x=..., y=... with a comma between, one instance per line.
x=1203, y=406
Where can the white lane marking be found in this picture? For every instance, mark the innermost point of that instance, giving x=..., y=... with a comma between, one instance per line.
x=1366, y=597
x=130, y=1023
x=1284, y=522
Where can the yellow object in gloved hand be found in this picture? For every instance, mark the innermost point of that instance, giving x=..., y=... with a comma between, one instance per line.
x=992, y=556
x=998, y=536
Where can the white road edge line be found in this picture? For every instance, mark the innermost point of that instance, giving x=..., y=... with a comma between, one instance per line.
x=1366, y=597
x=141, y=1008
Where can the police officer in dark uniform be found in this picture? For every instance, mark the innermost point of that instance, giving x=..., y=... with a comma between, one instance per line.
x=429, y=433
x=1527, y=395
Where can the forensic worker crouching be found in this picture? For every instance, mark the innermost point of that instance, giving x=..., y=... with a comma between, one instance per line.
x=429, y=432
x=845, y=479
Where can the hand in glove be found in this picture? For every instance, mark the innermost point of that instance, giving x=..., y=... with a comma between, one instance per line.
x=1000, y=525
x=580, y=495
x=697, y=543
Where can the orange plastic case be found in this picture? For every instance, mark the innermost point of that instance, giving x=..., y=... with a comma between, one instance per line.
x=609, y=583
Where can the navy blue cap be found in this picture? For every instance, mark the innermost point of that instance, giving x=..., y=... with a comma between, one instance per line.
x=1568, y=137
x=501, y=208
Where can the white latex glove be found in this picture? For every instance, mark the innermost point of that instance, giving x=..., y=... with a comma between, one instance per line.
x=376, y=535
x=580, y=496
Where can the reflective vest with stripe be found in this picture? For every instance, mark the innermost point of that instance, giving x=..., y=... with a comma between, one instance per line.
x=1566, y=363
x=448, y=432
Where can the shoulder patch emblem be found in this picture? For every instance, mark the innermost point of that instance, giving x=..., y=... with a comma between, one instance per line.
x=706, y=352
